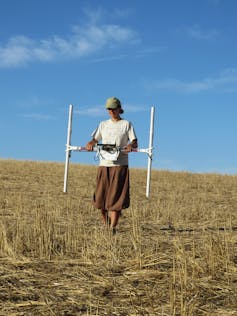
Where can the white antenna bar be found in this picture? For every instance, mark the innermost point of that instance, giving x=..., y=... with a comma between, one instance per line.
x=95, y=148
x=149, y=164
x=70, y=148
x=68, y=152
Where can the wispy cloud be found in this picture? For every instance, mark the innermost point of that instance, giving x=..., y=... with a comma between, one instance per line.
x=33, y=106
x=214, y=2
x=32, y=101
x=146, y=52
x=90, y=111
x=38, y=116
x=83, y=41
x=226, y=81
x=100, y=110
x=196, y=32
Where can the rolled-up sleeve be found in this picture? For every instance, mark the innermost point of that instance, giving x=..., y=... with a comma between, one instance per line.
x=96, y=134
x=131, y=132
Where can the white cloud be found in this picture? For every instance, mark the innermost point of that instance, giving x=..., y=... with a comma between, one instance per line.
x=181, y=86
x=100, y=110
x=214, y=2
x=82, y=42
x=90, y=111
x=130, y=108
x=226, y=81
x=33, y=102
x=146, y=52
x=197, y=32
x=38, y=116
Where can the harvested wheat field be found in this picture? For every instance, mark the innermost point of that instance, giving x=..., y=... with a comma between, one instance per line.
x=175, y=254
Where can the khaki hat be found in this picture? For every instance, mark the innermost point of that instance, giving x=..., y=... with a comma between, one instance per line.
x=113, y=103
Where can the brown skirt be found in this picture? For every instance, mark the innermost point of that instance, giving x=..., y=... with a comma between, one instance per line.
x=112, y=188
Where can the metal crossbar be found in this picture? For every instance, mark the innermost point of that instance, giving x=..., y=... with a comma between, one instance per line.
x=109, y=147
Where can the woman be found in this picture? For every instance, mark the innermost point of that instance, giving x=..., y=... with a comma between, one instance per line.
x=112, y=186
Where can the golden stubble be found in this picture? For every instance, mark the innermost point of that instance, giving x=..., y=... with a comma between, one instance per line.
x=174, y=254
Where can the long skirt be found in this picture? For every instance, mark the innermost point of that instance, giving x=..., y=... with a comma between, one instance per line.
x=112, y=188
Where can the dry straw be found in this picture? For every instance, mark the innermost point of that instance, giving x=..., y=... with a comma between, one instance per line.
x=175, y=254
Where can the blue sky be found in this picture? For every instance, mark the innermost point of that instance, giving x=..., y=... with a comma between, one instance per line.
x=177, y=55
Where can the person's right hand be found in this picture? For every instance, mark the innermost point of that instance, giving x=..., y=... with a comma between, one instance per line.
x=90, y=145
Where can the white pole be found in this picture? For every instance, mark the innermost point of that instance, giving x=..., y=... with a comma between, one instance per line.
x=68, y=152
x=148, y=180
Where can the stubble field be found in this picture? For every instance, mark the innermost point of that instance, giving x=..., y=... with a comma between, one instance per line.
x=174, y=254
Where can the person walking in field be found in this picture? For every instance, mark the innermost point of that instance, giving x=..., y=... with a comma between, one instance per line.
x=112, y=183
